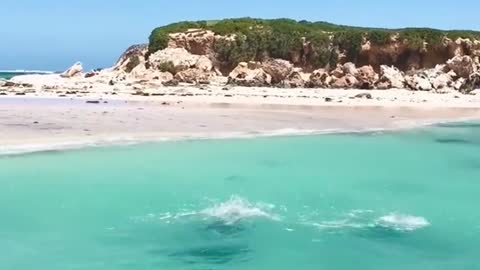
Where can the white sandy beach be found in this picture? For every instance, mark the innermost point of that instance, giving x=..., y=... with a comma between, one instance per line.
x=43, y=120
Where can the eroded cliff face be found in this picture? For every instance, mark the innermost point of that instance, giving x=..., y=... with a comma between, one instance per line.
x=395, y=53
x=399, y=54
x=194, y=56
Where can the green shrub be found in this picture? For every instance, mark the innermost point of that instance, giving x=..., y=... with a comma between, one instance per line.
x=167, y=67
x=379, y=37
x=279, y=38
x=416, y=37
x=349, y=41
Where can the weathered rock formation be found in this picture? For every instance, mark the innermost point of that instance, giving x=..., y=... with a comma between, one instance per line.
x=196, y=56
x=297, y=79
x=320, y=79
x=249, y=74
x=366, y=77
x=390, y=77
x=179, y=58
x=194, y=75
x=73, y=71
x=196, y=41
x=278, y=69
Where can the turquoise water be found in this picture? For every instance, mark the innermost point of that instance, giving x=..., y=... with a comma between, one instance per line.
x=406, y=200
x=8, y=75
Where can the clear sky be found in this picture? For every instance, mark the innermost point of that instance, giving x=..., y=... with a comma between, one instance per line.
x=53, y=34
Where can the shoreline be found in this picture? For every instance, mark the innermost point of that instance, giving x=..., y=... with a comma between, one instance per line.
x=45, y=123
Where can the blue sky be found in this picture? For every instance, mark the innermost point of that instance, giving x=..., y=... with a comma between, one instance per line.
x=52, y=34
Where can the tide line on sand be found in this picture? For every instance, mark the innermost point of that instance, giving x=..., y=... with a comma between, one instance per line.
x=76, y=144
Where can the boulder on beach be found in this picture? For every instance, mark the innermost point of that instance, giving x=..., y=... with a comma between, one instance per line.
x=278, y=69
x=418, y=81
x=194, y=75
x=345, y=82
x=366, y=77
x=249, y=74
x=73, y=71
x=320, y=79
x=349, y=68
x=390, y=77
x=463, y=66
x=297, y=79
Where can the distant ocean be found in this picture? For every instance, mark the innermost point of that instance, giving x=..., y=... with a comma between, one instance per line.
x=8, y=74
x=396, y=201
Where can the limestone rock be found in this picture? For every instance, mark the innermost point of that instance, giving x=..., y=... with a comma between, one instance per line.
x=463, y=66
x=180, y=58
x=364, y=95
x=204, y=64
x=349, y=68
x=458, y=84
x=73, y=71
x=390, y=77
x=297, y=78
x=131, y=58
x=347, y=81
x=320, y=78
x=338, y=71
x=195, y=41
x=194, y=75
x=442, y=81
x=278, y=69
x=249, y=74
x=419, y=81
x=366, y=77
x=468, y=85
x=172, y=82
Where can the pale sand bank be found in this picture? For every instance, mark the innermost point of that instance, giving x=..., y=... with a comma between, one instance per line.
x=34, y=123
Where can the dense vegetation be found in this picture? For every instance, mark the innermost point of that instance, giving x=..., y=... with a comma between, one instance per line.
x=281, y=38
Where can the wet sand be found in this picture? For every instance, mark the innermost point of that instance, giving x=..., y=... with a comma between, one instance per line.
x=33, y=124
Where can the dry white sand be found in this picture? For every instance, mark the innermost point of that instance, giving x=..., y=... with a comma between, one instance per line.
x=41, y=123
x=51, y=112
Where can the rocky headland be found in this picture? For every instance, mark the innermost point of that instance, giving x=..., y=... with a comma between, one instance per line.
x=277, y=54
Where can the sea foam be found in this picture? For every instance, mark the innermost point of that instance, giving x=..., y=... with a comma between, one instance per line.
x=237, y=209
x=366, y=219
x=231, y=212
x=401, y=222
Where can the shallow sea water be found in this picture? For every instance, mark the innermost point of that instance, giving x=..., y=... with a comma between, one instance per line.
x=400, y=200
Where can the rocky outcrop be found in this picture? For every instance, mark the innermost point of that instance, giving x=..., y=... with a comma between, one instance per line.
x=390, y=77
x=347, y=81
x=249, y=74
x=349, y=68
x=131, y=58
x=320, y=79
x=194, y=75
x=463, y=66
x=195, y=41
x=439, y=78
x=278, y=69
x=366, y=77
x=297, y=79
x=180, y=59
x=419, y=81
x=73, y=71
